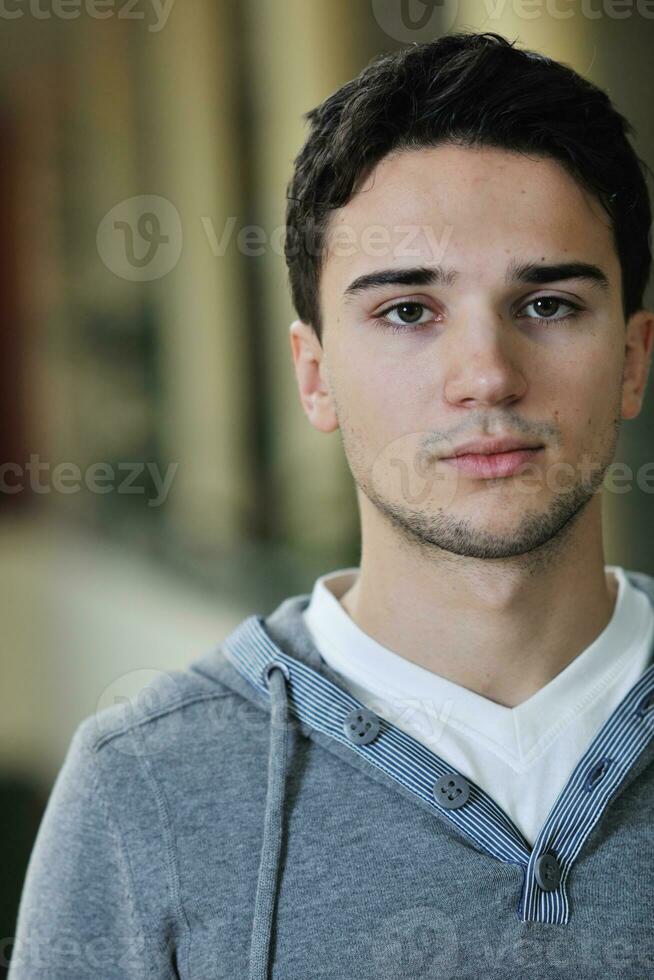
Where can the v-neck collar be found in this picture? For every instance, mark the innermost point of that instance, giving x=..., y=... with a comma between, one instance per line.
x=520, y=734
x=621, y=749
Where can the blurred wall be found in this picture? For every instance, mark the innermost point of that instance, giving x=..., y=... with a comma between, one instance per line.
x=172, y=135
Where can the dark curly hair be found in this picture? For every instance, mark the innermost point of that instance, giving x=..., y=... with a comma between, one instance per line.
x=468, y=89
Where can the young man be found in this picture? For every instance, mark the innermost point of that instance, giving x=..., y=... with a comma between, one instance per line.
x=440, y=763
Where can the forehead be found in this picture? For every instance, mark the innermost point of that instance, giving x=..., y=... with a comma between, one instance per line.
x=483, y=205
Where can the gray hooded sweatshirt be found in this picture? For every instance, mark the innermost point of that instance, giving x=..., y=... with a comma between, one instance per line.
x=251, y=819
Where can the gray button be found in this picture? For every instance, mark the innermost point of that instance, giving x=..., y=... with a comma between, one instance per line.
x=451, y=790
x=548, y=872
x=361, y=725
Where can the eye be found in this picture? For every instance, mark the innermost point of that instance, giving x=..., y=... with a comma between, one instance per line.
x=410, y=309
x=549, y=305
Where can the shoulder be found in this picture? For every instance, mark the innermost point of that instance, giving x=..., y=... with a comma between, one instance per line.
x=181, y=733
x=130, y=753
x=163, y=702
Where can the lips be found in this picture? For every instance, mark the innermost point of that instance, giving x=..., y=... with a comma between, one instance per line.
x=488, y=447
x=487, y=465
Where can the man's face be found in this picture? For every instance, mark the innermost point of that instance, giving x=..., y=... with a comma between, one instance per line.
x=478, y=353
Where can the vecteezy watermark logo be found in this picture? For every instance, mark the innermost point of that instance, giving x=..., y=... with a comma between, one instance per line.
x=132, y=698
x=140, y=239
x=415, y=20
x=422, y=20
x=156, y=13
x=565, y=9
x=418, y=942
x=405, y=466
x=411, y=469
x=421, y=717
x=100, y=477
x=148, y=693
x=38, y=952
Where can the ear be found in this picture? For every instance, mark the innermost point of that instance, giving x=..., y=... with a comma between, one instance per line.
x=638, y=354
x=312, y=377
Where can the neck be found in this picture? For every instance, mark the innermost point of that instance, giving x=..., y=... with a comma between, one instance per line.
x=500, y=628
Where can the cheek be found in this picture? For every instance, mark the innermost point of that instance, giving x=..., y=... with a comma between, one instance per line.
x=397, y=395
x=586, y=400
x=599, y=378
x=381, y=403
x=563, y=360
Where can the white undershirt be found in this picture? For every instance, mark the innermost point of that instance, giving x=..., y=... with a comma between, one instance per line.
x=498, y=747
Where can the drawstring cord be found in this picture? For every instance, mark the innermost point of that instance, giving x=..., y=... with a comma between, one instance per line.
x=275, y=675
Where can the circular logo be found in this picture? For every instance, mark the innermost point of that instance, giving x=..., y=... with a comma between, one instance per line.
x=415, y=20
x=407, y=469
x=140, y=239
x=141, y=693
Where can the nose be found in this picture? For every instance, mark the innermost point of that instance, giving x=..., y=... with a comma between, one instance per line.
x=484, y=364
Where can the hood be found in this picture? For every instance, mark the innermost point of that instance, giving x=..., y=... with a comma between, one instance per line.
x=264, y=659
x=250, y=661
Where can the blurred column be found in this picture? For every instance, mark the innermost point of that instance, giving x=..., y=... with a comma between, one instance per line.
x=299, y=53
x=112, y=406
x=187, y=137
x=621, y=40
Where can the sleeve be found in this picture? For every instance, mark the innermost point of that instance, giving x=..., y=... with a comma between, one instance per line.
x=77, y=917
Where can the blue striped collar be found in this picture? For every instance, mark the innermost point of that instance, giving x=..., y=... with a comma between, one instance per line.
x=612, y=760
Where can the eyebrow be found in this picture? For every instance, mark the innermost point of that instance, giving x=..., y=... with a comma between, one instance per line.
x=517, y=272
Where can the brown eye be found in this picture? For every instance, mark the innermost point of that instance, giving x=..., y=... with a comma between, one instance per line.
x=547, y=308
x=547, y=305
x=408, y=312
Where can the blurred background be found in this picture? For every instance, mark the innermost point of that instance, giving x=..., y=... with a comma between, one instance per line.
x=159, y=478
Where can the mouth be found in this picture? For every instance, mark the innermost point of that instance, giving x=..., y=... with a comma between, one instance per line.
x=490, y=465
